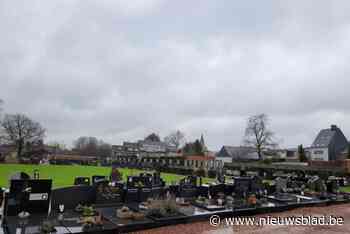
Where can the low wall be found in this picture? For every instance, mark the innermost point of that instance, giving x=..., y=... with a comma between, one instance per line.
x=336, y=164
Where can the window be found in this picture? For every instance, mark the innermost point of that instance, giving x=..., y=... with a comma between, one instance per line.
x=318, y=152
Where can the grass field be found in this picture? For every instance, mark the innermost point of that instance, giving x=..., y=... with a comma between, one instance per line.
x=345, y=189
x=63, y=176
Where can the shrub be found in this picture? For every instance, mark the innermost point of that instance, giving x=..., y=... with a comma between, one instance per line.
x=200, y=172
x=267, y=161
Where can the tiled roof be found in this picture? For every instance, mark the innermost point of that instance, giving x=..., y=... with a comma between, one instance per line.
x=324, y=138
x=200, y=158
x=243, y=152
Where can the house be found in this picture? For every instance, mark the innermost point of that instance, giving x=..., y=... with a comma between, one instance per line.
x=207, y=162
x=127, y=149
x=7, y=152
x=155, y=148
x=230, y=153
x=329, y=145
x=141, y=150
x=290, y=155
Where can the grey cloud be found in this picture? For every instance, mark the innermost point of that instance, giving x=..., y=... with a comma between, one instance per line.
x=119, y=70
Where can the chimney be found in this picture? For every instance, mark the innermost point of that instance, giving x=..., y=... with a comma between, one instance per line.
x=334, y=127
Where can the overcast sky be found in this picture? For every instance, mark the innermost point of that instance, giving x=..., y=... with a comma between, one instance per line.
x=120, y=69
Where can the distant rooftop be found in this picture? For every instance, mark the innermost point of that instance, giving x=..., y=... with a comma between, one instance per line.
x=325, y=137
x=200, y=158
x=239, y=152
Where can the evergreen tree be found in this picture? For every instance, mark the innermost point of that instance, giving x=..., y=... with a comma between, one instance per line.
x=301, y=153
x=198, y=148
x=193, y=148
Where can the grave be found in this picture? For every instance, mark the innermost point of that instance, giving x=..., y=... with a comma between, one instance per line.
x=132, y=191
x=157, y=186
x=98, y=178
x=162, y=211
x=247, y=184
x=126, y=219
x=316, y=184
x=188, y=187
x=210, y=204
x=332, y=185
x=109, y=193
x=28, y=197
x=113, y=207
x=138, y=188
x=145, y=187
x=82, y=181
x=281, y=184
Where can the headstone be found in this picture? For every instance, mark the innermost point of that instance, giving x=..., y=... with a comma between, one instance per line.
x=132, y=190
x=313, y=183
x=215, y=190
x=20, y=176
x=293, y=186
x=242, y=186
x=256, y=185
x=32, y=196
x=220, y=177
x=188, y=187
x=281, y=184
x=99, y=178
x=332, y=186
x=157, y=186
x=107, y=194
x=145, y=189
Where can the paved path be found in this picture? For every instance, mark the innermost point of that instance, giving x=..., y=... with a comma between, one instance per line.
x=205, y=228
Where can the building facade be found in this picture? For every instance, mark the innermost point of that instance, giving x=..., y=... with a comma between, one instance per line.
x=241, y=153
x=131, y=151
x=202, y=162
x=330, y=144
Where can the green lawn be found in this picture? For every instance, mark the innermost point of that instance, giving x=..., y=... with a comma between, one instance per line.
x=345, y=189
x=63, y=176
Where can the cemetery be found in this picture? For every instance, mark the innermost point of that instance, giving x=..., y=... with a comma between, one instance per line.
x=103, y=204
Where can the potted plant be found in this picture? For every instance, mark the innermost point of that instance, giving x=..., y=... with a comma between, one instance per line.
x=47, y=227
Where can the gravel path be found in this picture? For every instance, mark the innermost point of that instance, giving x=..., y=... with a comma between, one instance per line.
x=205, y=228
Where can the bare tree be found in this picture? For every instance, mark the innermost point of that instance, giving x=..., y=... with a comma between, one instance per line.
x=86, y=145
x=258, y=135
x=1, y=130
x=1, y=103
x=104, y=149
x=20, y=130
x=153, y=137
x=1, y=109
x=92, y=146
x=175, y=138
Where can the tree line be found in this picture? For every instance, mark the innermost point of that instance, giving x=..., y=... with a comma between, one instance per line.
x=27, y=136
